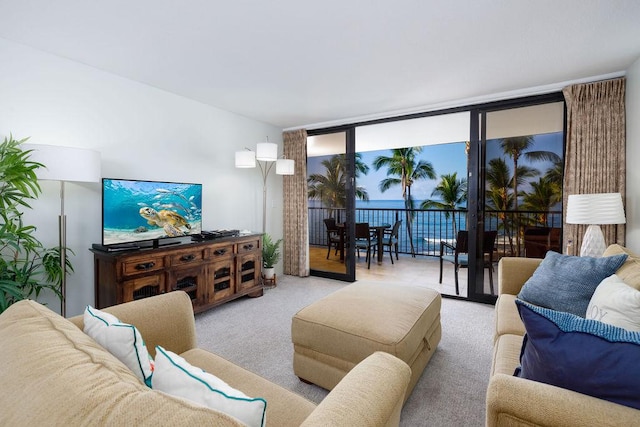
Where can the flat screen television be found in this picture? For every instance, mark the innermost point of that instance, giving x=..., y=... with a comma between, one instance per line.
x=136, y=211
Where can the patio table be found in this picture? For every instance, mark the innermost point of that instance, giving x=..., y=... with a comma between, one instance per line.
x=379, y=229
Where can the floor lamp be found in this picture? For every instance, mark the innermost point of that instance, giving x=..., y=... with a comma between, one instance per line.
x=64, y=164
x=266, y=155
x=592, y=210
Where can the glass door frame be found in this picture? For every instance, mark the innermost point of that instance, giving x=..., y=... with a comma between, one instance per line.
x=475, y=178
x=350, y=204
x=476, y=186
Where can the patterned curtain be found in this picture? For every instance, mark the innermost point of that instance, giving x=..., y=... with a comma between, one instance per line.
x=595, y=156
x=296, y=223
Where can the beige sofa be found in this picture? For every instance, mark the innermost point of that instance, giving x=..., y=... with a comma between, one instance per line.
x=514, y=401
x=53, y=374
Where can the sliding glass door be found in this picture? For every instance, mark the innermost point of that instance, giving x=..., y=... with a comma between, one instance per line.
x=494, y=186
x=516, y=166
x=330, y=176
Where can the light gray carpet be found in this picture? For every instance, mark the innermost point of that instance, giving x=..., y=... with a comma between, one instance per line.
x=255, y=333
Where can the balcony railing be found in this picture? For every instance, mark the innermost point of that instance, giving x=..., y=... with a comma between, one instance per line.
x=431, y=226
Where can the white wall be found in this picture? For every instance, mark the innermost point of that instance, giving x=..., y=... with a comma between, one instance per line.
x=142, y=133
x=633, y=156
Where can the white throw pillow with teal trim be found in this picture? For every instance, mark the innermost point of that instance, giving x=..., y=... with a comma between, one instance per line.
x=120, y=339
x=175, y=376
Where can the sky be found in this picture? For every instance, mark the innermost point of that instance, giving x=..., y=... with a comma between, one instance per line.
x=445, y=158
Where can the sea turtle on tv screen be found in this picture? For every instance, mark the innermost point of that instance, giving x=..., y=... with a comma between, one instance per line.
x=169, y=221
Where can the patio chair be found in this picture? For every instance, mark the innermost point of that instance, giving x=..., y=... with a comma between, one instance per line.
x=391, y=239
x=333, y=235
x=460, y=256
x=365, y=241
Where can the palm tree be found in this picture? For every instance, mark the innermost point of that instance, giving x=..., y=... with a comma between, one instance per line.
x=554, y=176
x=515, y=147
x=330, y=188
x=452, y=193
x=403, y=170
x=555, y=172
x=499, y=198
x=544, y=195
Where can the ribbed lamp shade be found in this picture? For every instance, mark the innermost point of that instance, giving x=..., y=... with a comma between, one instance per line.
x=600, y=208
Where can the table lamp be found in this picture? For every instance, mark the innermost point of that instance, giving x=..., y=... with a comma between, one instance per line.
x=594, y=210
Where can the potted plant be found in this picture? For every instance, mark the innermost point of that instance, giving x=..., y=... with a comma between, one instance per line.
x=26, y=266
x=270, y=255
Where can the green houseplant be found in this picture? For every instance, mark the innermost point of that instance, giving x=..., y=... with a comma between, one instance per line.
x=270, y=255
x=26, y=266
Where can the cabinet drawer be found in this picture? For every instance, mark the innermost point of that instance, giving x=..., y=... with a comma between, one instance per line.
x=248, y=246
x=184, y=258
x=141, y=265
x=220, y=251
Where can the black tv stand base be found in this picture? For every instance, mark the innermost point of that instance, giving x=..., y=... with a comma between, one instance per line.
x=115, y=248
x=160, y=244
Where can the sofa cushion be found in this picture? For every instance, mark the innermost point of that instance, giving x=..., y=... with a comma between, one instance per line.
x=630, y=270
x=54, y=374
x=578, y=354
x=616, y=303
x=120, y=339
x=176, y=376
x=566, y=283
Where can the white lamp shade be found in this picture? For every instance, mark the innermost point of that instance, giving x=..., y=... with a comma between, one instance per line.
x=599, y=208
x=65, y=163
x=267, y=151
x=245, y=159
x=285, y=167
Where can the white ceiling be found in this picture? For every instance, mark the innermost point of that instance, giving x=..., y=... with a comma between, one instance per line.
x=296, y=63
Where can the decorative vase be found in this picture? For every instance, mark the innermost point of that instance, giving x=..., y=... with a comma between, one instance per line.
x=269, y=272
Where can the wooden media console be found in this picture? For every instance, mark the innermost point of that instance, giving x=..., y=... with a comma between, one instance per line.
x=212, y=272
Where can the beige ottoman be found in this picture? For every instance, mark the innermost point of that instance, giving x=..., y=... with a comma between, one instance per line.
x=338, y=331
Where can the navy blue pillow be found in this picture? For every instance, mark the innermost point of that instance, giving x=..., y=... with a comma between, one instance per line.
x=567, y=283
x=582, y=355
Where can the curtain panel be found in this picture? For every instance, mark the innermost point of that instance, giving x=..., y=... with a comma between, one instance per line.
x=296, y=222
x=595, y=152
